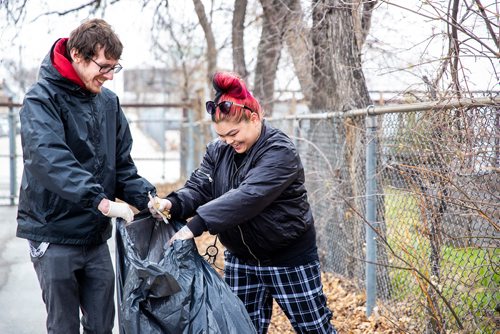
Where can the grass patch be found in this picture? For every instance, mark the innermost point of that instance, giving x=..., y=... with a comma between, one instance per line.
x=467, y=277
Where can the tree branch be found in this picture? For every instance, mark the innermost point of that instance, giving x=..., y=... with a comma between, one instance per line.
x=94, y=3
x=494, y=36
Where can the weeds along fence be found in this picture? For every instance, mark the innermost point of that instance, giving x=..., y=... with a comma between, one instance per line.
x=406, y=204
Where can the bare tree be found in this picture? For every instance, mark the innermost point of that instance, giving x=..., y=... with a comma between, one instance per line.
x=362, y=14
x=278, y=16
x=274, y=21
x=14, y=12
x=238, y=29
x=299, y=45
x=470, y=31
x=284, y=21
x=340, y=86
x=209, y=36
x=171, y=49
x=340, y=82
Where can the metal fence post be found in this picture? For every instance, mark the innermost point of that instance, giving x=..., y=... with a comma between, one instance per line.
x=191, y=150
x=371, y=210
x=12, y=153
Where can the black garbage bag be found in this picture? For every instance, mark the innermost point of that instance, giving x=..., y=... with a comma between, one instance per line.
x=164, y=289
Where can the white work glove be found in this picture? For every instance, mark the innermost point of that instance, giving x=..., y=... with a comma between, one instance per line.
x=159, y=207
x=183, y=234
x=121, y=210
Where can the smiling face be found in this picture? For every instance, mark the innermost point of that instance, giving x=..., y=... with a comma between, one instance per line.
x=240, y=135
x=89, y=70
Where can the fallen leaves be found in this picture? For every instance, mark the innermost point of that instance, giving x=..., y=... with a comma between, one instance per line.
x=345, y=300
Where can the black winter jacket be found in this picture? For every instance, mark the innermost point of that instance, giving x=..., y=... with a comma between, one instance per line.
x=76, y=151
x=259, y=209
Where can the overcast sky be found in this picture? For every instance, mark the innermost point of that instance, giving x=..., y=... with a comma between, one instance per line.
x=395, y=30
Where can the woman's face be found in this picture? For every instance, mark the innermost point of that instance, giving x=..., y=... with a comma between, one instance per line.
x=240, y=135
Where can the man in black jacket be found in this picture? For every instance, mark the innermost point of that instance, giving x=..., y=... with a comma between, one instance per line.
x=76, y=149
x=249, y=189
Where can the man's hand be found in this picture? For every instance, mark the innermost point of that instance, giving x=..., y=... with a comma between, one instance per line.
x=115, y=209
x=159, y=207
x=183, y=234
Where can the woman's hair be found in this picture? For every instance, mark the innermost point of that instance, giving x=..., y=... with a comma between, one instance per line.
x=91, y=36
x=230, y=87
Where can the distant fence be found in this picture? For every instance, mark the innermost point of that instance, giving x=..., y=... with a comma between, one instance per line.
x=159, y=122
x=10, y=157
x=406, y=201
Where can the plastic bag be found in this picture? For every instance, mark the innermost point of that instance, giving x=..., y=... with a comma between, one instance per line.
x=164, y=289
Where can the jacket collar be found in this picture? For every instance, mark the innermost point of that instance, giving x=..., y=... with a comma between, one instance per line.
x=62, y=64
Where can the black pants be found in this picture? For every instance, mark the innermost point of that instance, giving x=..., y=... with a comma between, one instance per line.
x=73, y=278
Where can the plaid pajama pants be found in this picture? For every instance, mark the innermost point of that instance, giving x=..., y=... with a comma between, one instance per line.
x=297, y=290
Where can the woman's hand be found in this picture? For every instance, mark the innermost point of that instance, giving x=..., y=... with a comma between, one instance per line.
x=183, y=234
x=159, y=207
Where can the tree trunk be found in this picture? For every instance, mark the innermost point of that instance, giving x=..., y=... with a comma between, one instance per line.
x=340, y=86
x=209, y=36
x=282, y=21
x=362, y=14
x=239, y=13
x=298, y=42
x=340, y=82
x=269, y=50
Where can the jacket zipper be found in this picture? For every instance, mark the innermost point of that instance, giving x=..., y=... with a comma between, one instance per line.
x=96, y=139
x=248, y=247
x=239, y=228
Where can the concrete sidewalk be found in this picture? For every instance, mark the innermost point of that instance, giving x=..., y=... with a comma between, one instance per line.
x=22, y=310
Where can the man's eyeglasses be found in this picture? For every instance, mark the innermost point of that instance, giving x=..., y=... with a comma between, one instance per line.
x=108, y=68
x=224, y=107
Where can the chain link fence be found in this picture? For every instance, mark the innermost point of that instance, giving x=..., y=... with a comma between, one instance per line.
x=436, y=226
x=437, y=229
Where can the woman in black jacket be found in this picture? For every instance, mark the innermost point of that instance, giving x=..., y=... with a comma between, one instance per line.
x=249, y=189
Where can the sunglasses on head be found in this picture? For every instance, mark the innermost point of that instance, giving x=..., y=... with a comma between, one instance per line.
x=224, y=107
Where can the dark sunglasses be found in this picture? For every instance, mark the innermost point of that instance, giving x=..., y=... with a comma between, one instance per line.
x=224, y=107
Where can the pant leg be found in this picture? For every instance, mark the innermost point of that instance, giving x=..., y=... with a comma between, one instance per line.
x=56, y=274
x=246, y=285
x=97, y=282
x=299, y=293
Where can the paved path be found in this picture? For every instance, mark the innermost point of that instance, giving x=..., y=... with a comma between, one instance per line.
x=21, y=307
x=22, y=310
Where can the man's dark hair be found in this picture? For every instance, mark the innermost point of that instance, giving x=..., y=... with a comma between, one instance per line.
x=91, y=36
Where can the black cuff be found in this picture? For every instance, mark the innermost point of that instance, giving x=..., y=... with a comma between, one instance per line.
x=197, y=226
x=175, y=210
x=95, y=203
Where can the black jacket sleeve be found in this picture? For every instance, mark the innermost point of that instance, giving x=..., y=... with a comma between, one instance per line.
x=275, y=169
